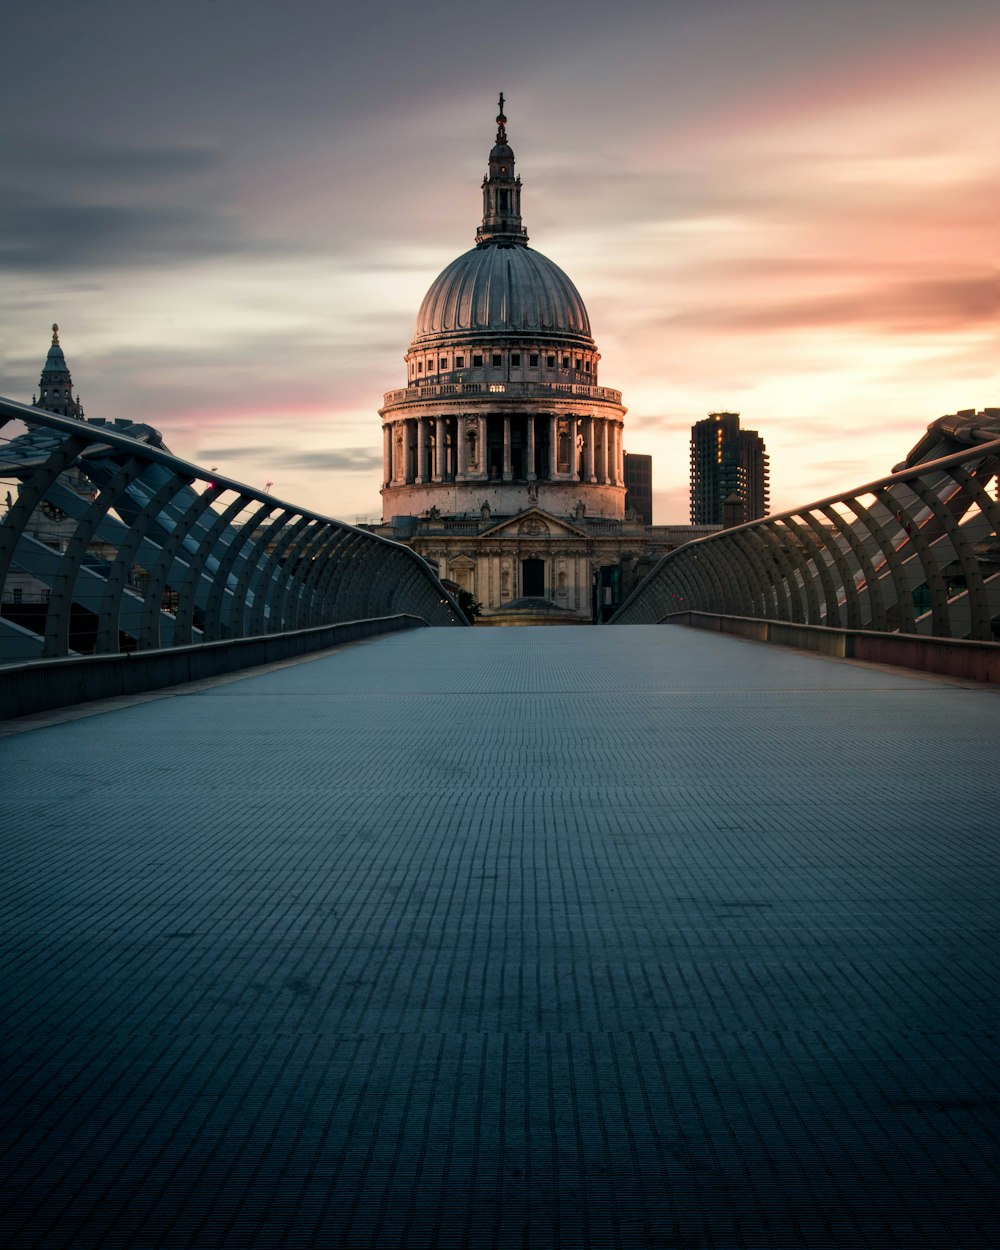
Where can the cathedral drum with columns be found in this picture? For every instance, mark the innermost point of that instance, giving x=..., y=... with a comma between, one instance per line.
x=503, y=460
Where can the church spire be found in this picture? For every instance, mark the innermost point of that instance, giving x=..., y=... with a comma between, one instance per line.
x=55, y=386
x=501, y=194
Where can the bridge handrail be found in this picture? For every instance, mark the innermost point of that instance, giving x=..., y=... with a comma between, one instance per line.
x=133, y=548
x=916, y=551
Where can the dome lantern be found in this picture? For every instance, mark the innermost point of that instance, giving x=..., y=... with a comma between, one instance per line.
x=501, y=195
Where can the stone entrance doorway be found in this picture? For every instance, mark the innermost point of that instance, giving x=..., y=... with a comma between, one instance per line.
x=533, y=579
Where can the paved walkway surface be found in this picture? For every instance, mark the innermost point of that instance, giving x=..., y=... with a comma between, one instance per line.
x=623, y=937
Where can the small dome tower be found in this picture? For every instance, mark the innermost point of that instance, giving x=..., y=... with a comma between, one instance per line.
x=55, y=386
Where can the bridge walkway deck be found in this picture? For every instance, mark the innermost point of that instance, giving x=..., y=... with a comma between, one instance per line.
x=626, y=937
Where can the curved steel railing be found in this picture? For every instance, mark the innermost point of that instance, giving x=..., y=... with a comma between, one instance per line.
x=110, y=543
x=914, y=552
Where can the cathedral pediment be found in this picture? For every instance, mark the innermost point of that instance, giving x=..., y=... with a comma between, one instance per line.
x=534, y=523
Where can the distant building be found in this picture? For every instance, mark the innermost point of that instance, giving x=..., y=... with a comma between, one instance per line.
x=55, y=386
x=639, y=486
x=727, y=461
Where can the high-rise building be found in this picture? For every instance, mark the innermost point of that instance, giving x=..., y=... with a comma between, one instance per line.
x=727, y=461
x=639, y=486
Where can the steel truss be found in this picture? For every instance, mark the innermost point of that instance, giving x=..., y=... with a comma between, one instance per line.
x=914, y=552
x=149, y=551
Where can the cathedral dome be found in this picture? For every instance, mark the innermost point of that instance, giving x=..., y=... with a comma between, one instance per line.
x=502, y=288
x=502, y=410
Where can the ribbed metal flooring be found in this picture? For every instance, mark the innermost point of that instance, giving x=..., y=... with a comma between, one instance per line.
x=622, y=937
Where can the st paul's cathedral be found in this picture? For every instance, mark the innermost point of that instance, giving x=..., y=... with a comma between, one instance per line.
x=503, y=455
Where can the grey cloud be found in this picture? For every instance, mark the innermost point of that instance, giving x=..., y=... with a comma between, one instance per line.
x=245, y=453
x=346, y=460
x=937, y=305
x=660, y=422
x=55, y=238
x=648, y=423
x=101, y=165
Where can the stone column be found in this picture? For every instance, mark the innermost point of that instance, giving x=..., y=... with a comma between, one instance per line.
x=439, y=450
x=408, y=460
x=619, y=454
x=479, y=472
x=606, y=449
x=530, y=450
x=507, y=471
x=386, y=455
x=588, y=451
x=421, y=449
x=462, y=450
x=553, y=447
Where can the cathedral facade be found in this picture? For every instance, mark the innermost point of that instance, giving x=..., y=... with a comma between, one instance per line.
x=503, y=455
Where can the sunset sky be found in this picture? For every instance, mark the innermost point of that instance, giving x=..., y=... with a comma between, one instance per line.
x=233, y=210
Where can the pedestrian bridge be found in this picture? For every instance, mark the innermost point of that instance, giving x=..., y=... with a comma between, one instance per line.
x=621, y=937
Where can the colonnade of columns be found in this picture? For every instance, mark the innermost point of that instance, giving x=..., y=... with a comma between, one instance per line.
x=421, y=450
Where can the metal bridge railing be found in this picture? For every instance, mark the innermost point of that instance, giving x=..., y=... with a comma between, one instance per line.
x=915, y=552
x=109, y=543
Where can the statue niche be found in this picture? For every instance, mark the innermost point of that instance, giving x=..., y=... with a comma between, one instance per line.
x=472, y=446
x=563, y=450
